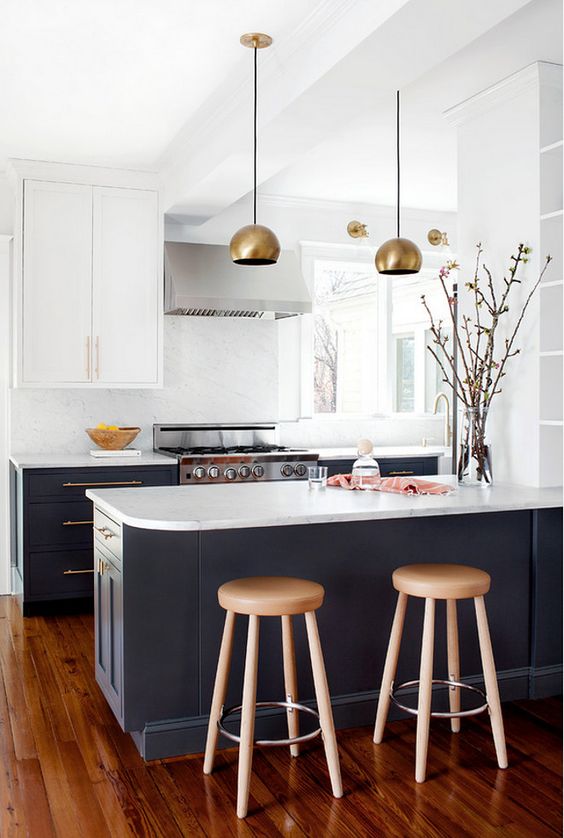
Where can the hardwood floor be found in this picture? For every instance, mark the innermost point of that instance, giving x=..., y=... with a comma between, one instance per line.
x=67, y=769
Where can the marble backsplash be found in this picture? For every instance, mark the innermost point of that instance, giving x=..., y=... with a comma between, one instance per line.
x=216, y=370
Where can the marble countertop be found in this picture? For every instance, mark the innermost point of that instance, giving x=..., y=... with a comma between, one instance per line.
x=285, y=504
x=149, y=458
x=384, y=452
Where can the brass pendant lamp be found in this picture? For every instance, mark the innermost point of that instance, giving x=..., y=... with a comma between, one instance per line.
x=255, y=244
x=398, y=256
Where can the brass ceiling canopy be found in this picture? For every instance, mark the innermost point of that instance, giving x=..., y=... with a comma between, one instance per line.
x=255, y=244
x=398, y=256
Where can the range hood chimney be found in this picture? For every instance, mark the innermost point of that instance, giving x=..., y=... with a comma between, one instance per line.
x=201, y=280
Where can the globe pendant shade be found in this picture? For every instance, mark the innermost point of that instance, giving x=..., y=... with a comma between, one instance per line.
x=254, y=244
x=398, y=256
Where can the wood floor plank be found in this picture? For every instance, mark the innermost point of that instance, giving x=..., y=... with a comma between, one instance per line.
x=67, y=769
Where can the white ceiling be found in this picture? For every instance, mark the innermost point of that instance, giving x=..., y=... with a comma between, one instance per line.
x=357, y=163
x=136, y=83
x=111, y=82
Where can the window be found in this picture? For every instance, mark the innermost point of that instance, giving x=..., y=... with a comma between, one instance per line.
x=345, y=344
x=370, y=335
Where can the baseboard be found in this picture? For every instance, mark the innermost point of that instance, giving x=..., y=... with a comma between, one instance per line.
x=187, y=736
x=545, y=681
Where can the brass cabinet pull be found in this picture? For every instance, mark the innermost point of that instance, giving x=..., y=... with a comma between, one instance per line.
x=107, y=533
x=97, y=357
x=395, y=473
x=76, y=523
x=88, y=358
x=72, y=572
x=108, y=483
x=102, y=567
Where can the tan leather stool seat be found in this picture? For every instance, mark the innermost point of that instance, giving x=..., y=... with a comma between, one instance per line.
x=441, y=581
x=271, y=596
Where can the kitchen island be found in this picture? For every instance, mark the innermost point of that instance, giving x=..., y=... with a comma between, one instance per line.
x=161, y=553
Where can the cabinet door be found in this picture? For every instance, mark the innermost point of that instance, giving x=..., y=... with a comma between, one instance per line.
x=57, y=282
x=126, y=286
x=108, y=631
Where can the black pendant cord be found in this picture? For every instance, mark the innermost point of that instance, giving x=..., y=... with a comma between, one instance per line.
x=398, y=156
x=255, y=147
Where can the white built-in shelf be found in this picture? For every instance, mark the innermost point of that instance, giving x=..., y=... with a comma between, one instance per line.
x=554, y=214
x=551, y=352
x=552, y=284
x=552, y=422
x=557, y=144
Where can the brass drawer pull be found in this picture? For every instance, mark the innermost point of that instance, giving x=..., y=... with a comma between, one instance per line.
x=73, y=572
x=108, y=483
x=76, y=523
x=102, y=567
x=107, y=533
x=392, y=473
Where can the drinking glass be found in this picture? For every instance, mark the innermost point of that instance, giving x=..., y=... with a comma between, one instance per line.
x=317, y=477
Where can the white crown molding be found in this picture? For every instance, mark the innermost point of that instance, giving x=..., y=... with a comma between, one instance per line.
x=19, y=169
x=350, y=208
x=503, y=91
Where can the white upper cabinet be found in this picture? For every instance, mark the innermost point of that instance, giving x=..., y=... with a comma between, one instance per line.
x=57, y=280
x=88, y=280
x=125, y=294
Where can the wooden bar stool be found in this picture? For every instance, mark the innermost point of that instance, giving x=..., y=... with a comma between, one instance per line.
x=432, y=582
x=271, y=596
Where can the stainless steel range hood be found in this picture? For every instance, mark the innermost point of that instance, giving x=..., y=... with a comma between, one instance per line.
x=201, y=280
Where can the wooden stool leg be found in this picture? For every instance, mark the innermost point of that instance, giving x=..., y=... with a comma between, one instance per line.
x=290, y=680
x=219, y=690
x=453, y=663
x=425, y=691
x=490, y=679
x=390, y=668
x=324, y=704
x=248, y=709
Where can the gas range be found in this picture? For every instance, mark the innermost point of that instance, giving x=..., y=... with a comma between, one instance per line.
x=231, y=453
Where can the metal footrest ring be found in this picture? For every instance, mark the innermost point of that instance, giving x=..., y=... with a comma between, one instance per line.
x=271, y=743
x=436, y=714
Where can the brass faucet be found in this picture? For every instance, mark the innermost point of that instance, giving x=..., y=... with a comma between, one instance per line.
x=447, y=436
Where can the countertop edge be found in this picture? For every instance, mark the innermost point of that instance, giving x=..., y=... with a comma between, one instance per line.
x=299, y=520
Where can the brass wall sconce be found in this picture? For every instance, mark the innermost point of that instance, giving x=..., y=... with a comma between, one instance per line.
x=435, y=237
x=357, y=230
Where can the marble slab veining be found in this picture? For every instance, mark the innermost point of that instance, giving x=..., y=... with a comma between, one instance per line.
x=286, y=504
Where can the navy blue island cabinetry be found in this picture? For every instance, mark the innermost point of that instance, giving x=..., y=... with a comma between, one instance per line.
x=52, y=526
x=159, y=625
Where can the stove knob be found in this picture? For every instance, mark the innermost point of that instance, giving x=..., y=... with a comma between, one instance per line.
x=213, y=472
x=300, y=470
x=230, y=473
x=244, y=472
x=199, y=472
x=287, y=470
x=258, y=471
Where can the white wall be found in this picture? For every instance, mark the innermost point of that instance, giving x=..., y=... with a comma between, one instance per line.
x=6, y=206
x=499, y=205
x=4, y=412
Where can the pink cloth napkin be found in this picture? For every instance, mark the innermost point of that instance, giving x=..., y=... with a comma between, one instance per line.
x=399, y=485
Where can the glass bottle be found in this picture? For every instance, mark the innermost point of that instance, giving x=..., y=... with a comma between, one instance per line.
x=365, y=470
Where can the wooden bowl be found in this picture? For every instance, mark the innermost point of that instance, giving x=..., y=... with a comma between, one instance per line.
x=113, y=440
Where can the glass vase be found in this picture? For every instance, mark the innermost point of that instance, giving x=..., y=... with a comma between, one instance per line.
x=474, y=461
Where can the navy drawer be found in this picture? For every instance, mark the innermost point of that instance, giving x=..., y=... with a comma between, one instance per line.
x=60, y=575
x=54, y=524
x=73, y=483
x=407, y=468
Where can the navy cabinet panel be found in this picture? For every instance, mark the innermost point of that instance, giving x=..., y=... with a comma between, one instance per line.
x=54, y=524
x=48, y=575
x=388, y=468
